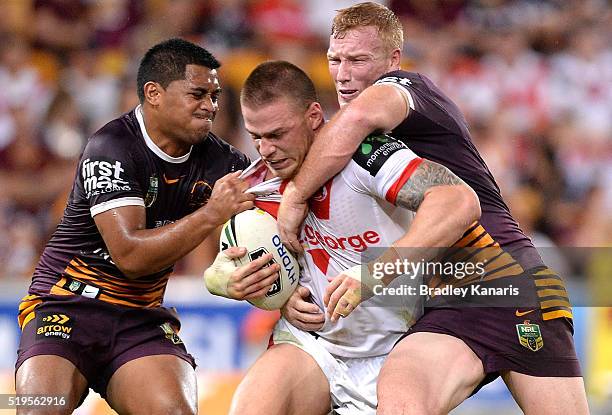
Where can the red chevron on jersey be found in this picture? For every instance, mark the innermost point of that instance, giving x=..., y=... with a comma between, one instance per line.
x=319, y=203
x=320, y=258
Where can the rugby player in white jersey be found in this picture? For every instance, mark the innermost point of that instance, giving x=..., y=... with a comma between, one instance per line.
x=354, y=214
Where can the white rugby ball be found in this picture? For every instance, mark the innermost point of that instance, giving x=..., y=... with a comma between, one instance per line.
x=256, y=230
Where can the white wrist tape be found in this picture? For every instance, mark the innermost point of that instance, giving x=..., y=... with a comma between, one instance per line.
x=216, y=277
x=362, y=274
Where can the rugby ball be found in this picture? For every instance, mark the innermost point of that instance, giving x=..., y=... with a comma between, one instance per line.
x=256, y=230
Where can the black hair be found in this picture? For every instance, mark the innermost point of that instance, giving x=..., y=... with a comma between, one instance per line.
x=166, y=62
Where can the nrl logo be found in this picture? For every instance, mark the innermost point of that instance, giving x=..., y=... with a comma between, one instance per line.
x=151, y=195
x=530, y=336
x=170, y=333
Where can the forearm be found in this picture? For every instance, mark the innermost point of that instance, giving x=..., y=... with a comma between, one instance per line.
x=331, y=150
x=440, y=221
x=378, y=108
x=445, y=208
x=146, y=251
x=444, y=215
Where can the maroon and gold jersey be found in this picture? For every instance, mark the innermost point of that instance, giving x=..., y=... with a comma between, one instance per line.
x=436, y=130
x=122, y=166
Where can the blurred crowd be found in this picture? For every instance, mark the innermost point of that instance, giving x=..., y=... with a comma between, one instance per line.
x=533, y=77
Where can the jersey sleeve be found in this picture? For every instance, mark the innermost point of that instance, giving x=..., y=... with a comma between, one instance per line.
x=436, y=113
x=381, y=166
x=403, y=85
x=108, y=175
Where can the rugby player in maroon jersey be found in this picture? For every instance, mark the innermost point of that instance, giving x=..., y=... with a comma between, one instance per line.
x=150, y=186
x=451, y=351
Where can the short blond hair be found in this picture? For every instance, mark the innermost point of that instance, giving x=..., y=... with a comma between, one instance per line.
x=370, y=14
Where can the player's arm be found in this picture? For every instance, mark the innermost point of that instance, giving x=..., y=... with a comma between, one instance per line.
x=378, y=108
x=445, y=208
x=138, y=251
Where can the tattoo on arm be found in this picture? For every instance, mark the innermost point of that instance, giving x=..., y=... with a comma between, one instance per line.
x=426, y=176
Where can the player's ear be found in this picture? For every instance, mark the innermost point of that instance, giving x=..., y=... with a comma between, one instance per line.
x=396, y=59
x=315, y=115
x=152, y=93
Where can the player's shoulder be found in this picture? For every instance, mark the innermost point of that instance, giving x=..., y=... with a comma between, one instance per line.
x=404, y=78
x=118, y=135
x=215, y=148
x=375, y=150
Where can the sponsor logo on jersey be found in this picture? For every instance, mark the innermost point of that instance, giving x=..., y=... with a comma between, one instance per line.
x=74, y=286
x=375, y=150
x=151, y=195
x=172, y=181
x=357, y=243
x=530, y=336
x=170, y=333
x=102, y=177
x=80, y=288
x=54, y=325
x=523, y=313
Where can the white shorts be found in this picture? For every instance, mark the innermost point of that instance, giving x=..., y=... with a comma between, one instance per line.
x=352, y=381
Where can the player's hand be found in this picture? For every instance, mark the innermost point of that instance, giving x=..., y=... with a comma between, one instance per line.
x=346, y=291
x=228, y=198
x=301, y=313
x=291, y=213
x=249, y=281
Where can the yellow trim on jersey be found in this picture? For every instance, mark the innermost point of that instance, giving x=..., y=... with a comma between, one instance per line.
x=555, y=303
x=550, y=315
x=550, y=292
x=26, y=309
x=548, y=282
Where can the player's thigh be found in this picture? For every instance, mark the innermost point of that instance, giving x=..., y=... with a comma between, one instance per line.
x=547, y=395
x=284, y=380
x=427, y=373
x=50, y=375
x=158, y=384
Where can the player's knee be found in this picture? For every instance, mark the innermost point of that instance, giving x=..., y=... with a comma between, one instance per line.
x=404, y=387
x=167, y=405
x=30, y=381
x=407, y=403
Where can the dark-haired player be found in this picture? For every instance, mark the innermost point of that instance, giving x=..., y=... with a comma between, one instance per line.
x=450, y=351
x=150, y=186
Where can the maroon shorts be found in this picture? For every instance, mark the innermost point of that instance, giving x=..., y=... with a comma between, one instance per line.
x=504, y=341
x=98, y=337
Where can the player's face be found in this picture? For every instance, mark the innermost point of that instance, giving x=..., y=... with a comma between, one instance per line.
x=187, y=107
x=357, y=60
x=282, y=133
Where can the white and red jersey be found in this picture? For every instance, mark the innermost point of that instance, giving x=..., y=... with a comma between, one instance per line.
x=350, y=219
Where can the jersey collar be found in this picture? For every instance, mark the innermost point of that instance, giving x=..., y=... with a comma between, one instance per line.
x=152, y=146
